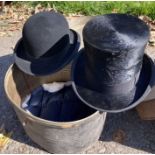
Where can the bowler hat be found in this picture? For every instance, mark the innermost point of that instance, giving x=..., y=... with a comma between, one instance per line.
x=47, y=44
x=112, y=73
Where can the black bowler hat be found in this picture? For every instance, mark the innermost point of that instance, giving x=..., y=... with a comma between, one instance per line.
x=112, y=73
x=47, y=44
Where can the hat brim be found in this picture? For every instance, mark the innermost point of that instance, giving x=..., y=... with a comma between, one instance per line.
x=95, y=99
x=42, y=68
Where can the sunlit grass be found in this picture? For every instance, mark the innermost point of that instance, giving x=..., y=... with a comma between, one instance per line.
x=98, y=8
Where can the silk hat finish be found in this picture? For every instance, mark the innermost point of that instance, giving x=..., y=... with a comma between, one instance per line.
x=112, y=73
x=47, y=44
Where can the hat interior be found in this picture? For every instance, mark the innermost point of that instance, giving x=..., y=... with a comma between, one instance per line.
x=70, y=111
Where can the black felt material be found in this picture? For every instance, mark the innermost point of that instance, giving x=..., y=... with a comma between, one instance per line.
x=47, y=44
x=107, y=101
x=61, y=106
x=115, y=32
x=112, y=58
x=43, y=31
x=114, y=45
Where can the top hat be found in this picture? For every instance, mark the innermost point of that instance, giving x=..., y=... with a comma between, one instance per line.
x=112, y=73
x=47, y=44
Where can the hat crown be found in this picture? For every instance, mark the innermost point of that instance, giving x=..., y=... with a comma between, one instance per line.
x=116, y=32
x=112, y=73
x=43, y=31
x=114, y=45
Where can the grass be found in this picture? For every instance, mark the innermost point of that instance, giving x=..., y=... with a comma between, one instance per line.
x=98, y=7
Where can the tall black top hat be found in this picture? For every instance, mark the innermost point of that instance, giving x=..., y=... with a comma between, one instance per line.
x=110, y=72
x=47, y=44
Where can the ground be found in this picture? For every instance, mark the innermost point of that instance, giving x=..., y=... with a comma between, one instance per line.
x=123, y=132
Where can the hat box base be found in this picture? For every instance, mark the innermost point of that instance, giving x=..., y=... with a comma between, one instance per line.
x=55, y=137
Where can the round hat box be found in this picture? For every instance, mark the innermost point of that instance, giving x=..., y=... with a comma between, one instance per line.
x=55, y=137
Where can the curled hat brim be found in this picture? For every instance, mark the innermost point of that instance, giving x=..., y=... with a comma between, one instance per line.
x=41, y=67
x=95, y=99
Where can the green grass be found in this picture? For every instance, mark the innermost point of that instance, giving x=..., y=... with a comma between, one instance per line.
x=98, y=8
